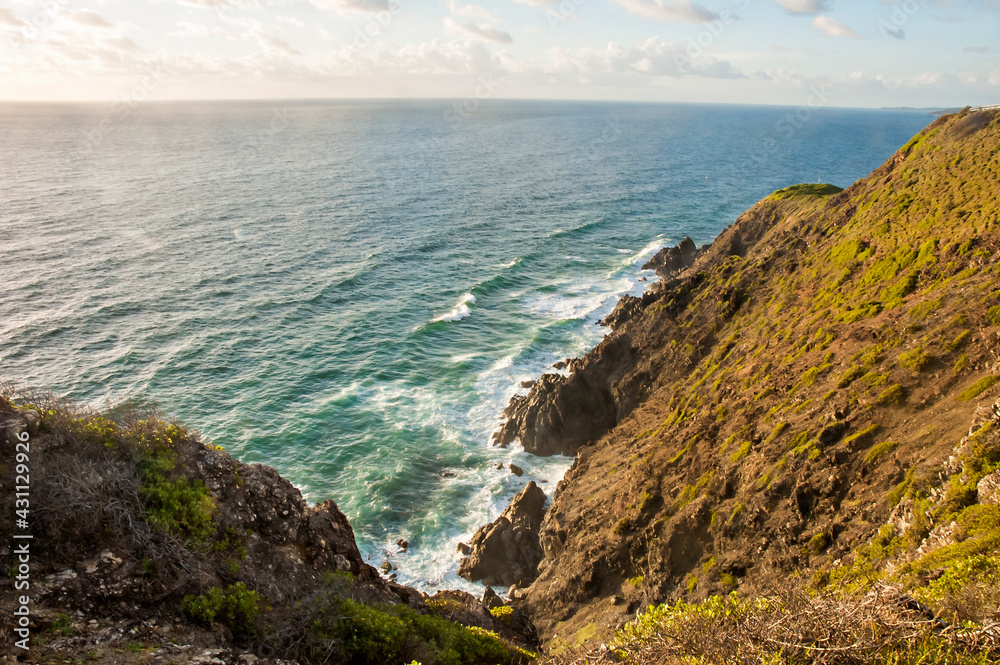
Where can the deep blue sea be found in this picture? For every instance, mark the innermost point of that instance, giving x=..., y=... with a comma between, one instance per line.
x=352, y=291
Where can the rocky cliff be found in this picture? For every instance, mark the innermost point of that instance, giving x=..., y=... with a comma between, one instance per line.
x=149, y=546
x=768, y=410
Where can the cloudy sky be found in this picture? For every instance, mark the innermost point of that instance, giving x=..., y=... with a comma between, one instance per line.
x=866, y=53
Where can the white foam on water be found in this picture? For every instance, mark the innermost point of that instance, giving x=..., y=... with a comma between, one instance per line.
x=460, y=310
x=431, y=561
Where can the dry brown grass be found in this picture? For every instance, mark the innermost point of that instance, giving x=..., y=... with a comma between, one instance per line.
x=883, y=626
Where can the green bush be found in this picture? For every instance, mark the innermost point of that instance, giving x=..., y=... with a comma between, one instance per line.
x=178, y=506
x=916, y=359
x=504, y=612
x=743, y=451
x=818, y=543
x=391, y=634
x=979, y=387
x=236, y=606
x=891, y=396
x=876, y=454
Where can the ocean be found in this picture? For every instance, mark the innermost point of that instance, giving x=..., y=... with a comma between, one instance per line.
x=352, y=291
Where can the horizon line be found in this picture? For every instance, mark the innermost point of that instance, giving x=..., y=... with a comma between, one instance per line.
x=194, y=100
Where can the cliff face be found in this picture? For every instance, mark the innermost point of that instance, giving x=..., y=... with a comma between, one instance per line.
x=762, y=412
x=144, y=539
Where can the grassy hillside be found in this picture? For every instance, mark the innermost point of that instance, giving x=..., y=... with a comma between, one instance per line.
x=804, y=396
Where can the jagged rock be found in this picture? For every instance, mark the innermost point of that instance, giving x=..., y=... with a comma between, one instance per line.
x=468, y=610
x=506, y=551
x=832, y=433
x=386, y=567
x=624, y=311
x=516, y=470
x=464, y=549
x=989, y=488
x=491, y=599
x=671, y=260
x=527, y=384
x=559, y=415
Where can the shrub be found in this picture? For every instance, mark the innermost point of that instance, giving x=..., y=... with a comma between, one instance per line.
x=916, y=359
x=623, y=526
x=743, y=451
x=863, y=436
x=504, y=612
x=977, y=388
x=178, y=506
x=818, y=543
x=959, y=340
x=876, y=454
x=851, y=375
x=237, y=607
x=961, y=364
x=892, y=396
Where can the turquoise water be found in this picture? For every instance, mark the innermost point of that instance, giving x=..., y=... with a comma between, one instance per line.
x=351, y=292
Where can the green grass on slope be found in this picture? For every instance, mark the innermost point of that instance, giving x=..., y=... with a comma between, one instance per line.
x=807, y=189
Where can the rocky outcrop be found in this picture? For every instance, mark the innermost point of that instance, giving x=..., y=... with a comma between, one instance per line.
x=558, y=415
x=671, y=260
x=510, y=621
x=506, y=552
x=988, y=489
x=625, y=310
x=561, y=414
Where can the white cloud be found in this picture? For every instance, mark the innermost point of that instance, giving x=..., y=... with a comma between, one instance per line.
x=89, y=18
x=8, y=17
x=189, y=30
x=805, y=6
x=833, y=27
x=487, y=33
x=652, y=57
x=667, y=10
x=369, y=6
x=473, y=11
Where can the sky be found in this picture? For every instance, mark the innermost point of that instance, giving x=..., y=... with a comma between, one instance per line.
x=850, y=53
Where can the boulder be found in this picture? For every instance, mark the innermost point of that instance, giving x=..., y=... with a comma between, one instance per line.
x=989, y=488
x=516, y=470
x=671, y=260
x=507, y=551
